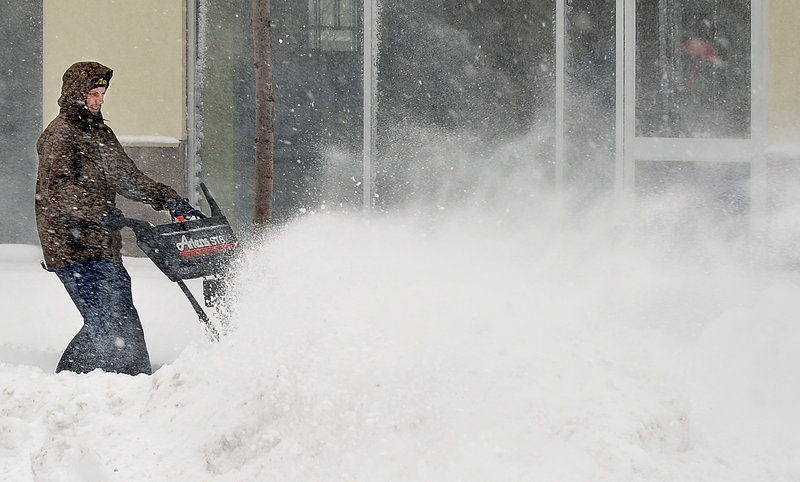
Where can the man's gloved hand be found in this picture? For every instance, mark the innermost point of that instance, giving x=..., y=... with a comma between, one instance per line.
x=180, y=207
x=114, y=220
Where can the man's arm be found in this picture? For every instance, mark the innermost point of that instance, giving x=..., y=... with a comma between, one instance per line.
x=133, y=183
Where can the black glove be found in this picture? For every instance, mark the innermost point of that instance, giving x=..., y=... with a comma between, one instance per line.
x=114, y=220
x=180, y=207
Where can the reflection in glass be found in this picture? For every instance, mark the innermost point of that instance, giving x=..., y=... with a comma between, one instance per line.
x=332, y=25
x=693, y=68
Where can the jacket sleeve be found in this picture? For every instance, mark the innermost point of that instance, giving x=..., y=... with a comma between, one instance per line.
x=133, y=183
x=57, y=179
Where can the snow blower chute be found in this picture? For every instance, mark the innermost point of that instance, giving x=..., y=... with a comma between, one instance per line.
x=187, y=249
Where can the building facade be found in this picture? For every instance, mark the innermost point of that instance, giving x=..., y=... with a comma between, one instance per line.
x=621, y=95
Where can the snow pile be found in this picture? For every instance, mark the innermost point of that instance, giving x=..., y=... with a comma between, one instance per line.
x=405, y=348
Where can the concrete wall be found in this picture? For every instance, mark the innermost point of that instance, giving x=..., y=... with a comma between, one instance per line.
x=784, y=71
x=143, y=41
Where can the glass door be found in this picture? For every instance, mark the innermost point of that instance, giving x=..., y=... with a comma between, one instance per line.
x=692, y=104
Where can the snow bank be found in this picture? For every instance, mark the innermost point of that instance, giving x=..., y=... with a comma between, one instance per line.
x=398, y=347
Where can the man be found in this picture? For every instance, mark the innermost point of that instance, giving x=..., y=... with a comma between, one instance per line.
x=82, y=167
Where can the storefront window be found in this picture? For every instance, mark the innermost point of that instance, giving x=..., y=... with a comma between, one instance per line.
x=333, y=25
x=693, y=69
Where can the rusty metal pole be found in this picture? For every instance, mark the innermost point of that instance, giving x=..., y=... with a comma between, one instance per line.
x=265, y=108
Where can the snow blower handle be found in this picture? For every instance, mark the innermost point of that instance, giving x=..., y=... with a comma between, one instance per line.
x=115, y=220
x=138, y=226
x=215, y=210
x=180, y=209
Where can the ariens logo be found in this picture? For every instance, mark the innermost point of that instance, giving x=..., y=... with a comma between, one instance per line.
x=187, y=243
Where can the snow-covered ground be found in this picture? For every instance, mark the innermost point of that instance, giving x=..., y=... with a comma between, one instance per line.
x=467, y=345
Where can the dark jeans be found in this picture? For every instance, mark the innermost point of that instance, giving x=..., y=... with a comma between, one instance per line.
x=111, y=337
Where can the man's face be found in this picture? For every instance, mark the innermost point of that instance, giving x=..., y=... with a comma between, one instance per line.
x=94, y=99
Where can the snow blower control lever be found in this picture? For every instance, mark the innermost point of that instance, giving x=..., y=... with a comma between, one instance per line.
x=202, y=247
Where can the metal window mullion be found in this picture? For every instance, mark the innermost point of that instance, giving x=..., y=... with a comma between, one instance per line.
x=194, y=128
x=314, y=24
x=370, y=41
x=759, y=77
x=629, y=96
x=560, y=34
x=619, y=154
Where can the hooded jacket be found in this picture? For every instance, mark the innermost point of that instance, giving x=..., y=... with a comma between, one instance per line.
x=82, y=167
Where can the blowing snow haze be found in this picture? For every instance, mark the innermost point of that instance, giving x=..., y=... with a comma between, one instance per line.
x=499, y=337
x=477, y=324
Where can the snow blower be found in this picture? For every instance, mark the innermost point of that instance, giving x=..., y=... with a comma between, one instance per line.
x=202, y=247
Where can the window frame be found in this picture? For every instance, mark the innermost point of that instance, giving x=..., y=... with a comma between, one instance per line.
x=318, y=30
